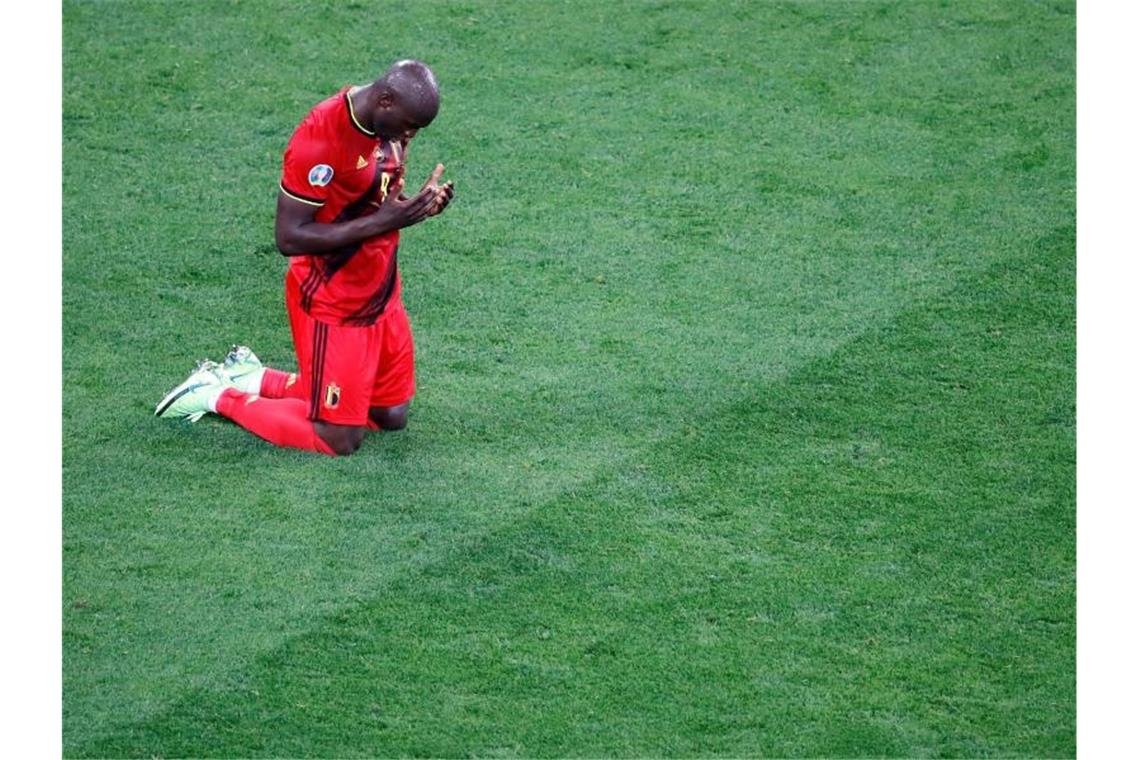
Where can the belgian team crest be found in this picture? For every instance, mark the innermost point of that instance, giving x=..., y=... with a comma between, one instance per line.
x=320, y=175
x=332, y=396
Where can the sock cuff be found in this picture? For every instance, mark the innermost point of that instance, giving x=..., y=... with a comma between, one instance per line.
x=275, y=383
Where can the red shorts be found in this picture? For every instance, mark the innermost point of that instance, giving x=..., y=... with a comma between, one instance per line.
x=346, y=370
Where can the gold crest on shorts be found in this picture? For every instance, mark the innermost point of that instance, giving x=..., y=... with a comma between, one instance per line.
x=332, y=396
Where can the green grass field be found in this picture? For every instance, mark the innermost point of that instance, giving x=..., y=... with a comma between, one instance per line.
x=745, y=356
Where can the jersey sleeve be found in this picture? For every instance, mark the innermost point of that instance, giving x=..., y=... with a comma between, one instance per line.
x=309, y=167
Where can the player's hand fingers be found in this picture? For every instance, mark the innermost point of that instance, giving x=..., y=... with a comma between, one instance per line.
x=422, y=214
x=428, y=194
x=433, y=180
x=443, y=196
x=420, y=204
x=441, y=202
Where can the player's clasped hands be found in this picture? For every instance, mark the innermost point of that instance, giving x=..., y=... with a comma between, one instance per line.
x=431, y=200
x=443, y=193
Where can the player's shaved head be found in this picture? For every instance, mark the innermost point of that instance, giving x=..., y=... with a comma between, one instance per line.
x=404, y=100
x=413, y=85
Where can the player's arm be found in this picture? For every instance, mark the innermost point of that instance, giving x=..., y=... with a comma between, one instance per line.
x=298, y=233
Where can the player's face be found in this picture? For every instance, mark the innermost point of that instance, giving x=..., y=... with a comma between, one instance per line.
x=394, y=123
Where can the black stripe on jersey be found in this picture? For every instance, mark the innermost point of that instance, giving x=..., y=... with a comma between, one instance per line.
x=371, y=311
x=314, y=374
x=320, y=343
x=309, y=288
x=333, y=261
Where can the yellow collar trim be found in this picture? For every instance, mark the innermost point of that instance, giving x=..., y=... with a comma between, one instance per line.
x=352, y=115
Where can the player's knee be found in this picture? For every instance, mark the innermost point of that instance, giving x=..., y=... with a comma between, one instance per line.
x=344, y=440
x=344, y=448
x=391, y=417
x=355, y=438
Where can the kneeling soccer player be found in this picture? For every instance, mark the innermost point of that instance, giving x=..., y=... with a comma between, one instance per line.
x=339, y=212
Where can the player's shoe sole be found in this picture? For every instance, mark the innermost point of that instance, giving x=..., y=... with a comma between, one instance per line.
x=191, y=399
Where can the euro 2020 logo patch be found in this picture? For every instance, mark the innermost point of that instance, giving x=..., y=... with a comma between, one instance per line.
x=320, y=175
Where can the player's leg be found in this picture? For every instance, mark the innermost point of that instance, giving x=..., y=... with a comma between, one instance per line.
x=328, y=410
x=276, y=383
x=280, y=421
x=339, y=383
x=332, y=416
x=389, y=417
x=343, y=439
x=395, y=382
x=271, y=404
x=283, y=422
x=243, y=370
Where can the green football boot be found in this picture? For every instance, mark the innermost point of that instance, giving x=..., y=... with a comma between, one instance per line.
x=195, y=396
x=242, y=369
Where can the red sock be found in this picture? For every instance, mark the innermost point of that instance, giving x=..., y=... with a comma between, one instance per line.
x=281, y=421
x=278, y=384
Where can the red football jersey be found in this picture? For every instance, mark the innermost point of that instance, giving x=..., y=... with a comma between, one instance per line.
x=333, y=163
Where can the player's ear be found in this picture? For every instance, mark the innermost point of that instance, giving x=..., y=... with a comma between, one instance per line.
x=386, y=99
